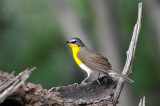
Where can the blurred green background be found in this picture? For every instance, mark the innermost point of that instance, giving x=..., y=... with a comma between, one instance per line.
x=33, y=32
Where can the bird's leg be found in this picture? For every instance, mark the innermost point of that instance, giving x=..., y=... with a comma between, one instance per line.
x=98, y=76
x=97, y=79
x=83, y=82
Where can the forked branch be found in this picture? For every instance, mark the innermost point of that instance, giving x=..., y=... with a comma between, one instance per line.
x=142, y=102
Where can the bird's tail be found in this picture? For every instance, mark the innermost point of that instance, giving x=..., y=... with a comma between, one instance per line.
x=123, y=76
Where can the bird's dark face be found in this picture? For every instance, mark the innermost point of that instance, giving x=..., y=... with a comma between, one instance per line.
x=75, y=42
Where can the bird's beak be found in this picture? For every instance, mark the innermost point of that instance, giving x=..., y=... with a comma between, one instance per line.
x=67, y=42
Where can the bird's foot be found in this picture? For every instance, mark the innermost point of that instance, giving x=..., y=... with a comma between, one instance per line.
x=96, y=80
x=83, y=82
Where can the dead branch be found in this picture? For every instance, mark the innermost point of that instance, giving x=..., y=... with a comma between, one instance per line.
x=142, y=102
x=9, y=84
x=30, y=94
x=130, y=54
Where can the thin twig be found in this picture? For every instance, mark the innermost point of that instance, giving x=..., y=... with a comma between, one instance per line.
x=142, y=101
x=130, y=54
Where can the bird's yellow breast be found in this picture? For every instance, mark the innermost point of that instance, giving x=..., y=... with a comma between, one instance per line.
x=75, y=50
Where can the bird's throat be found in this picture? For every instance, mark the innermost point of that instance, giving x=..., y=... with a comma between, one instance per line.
x=75, y=50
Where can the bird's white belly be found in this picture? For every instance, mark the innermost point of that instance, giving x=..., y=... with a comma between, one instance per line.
x=85, y=68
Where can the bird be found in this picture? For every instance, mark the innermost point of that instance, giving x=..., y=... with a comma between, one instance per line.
x=90, y=61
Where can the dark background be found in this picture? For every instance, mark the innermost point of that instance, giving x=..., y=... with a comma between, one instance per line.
x=33, y=32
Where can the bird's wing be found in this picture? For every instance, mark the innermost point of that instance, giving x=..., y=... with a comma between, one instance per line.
x=94, y=61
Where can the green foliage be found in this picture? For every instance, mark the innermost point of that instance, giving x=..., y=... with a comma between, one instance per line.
x=31, y=38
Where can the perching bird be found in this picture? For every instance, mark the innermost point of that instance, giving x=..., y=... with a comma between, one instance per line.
x=90, y=61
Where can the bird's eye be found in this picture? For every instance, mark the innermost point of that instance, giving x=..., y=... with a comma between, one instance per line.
x=74, y=42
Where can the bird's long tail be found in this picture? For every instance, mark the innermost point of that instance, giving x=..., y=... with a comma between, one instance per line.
x=123, y=76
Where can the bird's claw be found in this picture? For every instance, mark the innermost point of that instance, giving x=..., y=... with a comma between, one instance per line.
x=83, y=82
x=96, y=80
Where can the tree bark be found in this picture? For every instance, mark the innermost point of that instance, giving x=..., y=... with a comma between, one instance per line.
x=30, y=94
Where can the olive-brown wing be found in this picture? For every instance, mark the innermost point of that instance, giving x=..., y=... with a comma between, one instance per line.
x=95, y=61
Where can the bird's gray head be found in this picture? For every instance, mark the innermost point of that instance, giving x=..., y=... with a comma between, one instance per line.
x=75, y=41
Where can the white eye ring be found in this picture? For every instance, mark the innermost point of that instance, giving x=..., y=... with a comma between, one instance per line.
x=74, y=42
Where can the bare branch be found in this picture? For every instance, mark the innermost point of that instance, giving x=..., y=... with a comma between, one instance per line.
x=142, y=101
x=130, y=54
x=10, y=85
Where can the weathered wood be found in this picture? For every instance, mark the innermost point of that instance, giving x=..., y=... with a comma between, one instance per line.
x=9, y=84
x=84, y=94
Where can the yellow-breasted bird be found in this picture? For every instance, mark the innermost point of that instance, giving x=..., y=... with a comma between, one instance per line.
x=90, y=61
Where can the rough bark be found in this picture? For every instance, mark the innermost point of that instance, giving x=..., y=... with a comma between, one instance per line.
x=31, y=94
x=9, y=84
